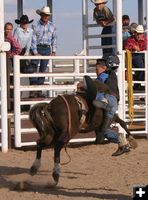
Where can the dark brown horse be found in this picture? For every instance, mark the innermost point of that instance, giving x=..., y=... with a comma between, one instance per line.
x=59, y=121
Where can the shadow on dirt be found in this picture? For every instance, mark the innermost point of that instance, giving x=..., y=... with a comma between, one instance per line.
x=49, y=189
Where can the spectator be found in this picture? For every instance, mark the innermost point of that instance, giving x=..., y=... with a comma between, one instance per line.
x=137, y=42
x=43, y=43
x=23, y=35
x=104, y=17
x=125, y=27
x=125, y=21
x=15, y=48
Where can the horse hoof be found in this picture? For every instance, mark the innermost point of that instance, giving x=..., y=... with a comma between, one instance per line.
x=55, y=177
x=33, y=171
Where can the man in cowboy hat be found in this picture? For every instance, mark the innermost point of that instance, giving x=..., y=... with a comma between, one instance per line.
x=43, y=43
x=136, y=43
x=104, y=17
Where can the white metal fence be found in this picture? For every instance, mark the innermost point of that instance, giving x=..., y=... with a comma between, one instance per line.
x=72, y=75
x=140, y=120
x=3, y=103
x=74, y=70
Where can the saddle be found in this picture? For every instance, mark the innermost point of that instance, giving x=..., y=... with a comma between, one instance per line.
x=88, y=112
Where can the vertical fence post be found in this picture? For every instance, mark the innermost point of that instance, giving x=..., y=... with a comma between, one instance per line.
x=4, y=123
x=84, y=25
x=146, y=91
x=121, y=107
x=17, y=109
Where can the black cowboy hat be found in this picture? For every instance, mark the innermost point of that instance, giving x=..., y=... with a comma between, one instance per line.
x=23, y=20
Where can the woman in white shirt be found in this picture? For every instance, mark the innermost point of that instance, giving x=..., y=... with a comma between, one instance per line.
x=23, y=34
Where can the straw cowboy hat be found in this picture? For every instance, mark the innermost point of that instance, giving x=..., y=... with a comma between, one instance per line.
x=139, y=29
x=45, y=10
x=99, y=1
x=23, y=20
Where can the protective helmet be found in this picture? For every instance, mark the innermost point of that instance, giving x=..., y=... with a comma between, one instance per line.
x=112, y=62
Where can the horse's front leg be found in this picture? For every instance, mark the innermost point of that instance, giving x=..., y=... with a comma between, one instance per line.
x=37, y=163
x=57, y=168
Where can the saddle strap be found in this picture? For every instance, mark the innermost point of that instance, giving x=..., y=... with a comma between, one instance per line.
x=83, y=107
x=69, y=115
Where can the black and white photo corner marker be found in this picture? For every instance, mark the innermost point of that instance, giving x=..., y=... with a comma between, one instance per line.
x=140, y=192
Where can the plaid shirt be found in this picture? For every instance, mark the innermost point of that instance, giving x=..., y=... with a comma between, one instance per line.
x=131, y=42
x=43, y=34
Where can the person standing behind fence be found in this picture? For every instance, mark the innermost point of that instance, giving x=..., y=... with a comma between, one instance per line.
x=43, y=43
x=15, y=49
x=125, y=27
x=23, y=35
x=136, y=43
x=104, y=17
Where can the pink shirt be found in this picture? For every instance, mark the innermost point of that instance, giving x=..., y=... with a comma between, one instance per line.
x=15, y=47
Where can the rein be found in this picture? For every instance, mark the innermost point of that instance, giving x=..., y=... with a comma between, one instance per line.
x=83, y=108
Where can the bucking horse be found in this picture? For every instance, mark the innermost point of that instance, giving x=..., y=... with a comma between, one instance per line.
x=60, y=120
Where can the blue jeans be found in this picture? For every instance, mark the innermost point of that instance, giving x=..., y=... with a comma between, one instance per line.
x=44, y=51
x=138, y=62
x=112, y=136
x=112, y=104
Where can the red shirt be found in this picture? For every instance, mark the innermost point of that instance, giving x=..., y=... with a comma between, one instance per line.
x=131, y=43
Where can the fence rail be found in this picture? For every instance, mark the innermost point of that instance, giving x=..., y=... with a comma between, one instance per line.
x=77, y=67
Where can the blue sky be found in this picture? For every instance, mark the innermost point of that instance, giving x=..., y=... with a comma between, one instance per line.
x=67, y=19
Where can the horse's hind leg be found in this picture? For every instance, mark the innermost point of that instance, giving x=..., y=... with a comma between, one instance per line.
x=56, y=170
x=37, y=163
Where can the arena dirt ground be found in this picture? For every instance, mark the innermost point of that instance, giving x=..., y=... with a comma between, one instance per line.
x=92, y=174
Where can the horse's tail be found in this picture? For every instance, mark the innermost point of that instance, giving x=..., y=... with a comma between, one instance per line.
x=122, y=123
x=40, y=116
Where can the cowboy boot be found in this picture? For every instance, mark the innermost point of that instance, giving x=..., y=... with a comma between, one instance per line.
x=100, y=134
x=121, y=150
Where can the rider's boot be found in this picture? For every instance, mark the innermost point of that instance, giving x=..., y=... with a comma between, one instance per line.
x=121, y=150
x=100, y=134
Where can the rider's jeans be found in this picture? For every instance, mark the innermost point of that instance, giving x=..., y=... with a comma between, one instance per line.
x=112, y=136
x=112, y=106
